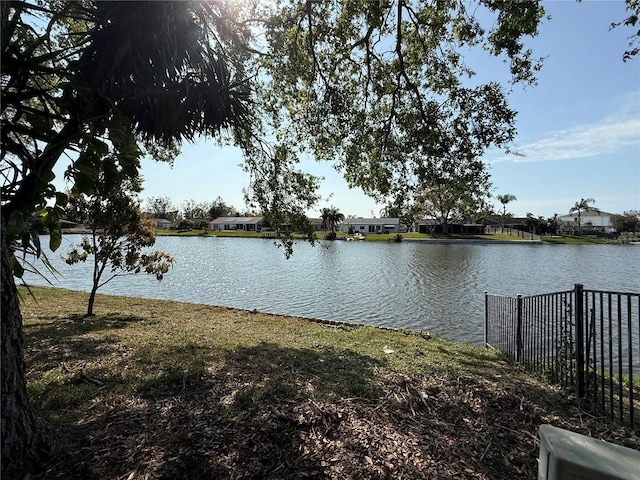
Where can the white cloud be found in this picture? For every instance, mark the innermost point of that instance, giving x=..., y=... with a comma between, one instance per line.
x=583, y=141
x=612, y=133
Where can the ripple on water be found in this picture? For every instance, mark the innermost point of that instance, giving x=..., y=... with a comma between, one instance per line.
x=424, y=286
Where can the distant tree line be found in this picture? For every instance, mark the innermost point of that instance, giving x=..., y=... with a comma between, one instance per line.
x=163, y=207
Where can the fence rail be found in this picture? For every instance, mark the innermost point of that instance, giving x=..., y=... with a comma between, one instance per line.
x=587, y=340
x=514, y=232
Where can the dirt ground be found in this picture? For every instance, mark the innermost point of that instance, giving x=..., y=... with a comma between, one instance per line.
x=455, y=428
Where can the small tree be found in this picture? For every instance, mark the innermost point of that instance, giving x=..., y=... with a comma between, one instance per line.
x=117, y=240
x=537, y=225
x=628, y=222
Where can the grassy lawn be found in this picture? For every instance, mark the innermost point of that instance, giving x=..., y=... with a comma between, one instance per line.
x=573, y=240
x=390, y=237
x=372, y=237
x=196, y=233
x=160, y=389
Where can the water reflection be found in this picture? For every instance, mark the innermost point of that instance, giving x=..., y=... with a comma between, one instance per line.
x=433, y=287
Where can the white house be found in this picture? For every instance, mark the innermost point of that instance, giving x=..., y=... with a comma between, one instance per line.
x=371, y=225
x=591, y=221
x=246, y=224
x=162, y=223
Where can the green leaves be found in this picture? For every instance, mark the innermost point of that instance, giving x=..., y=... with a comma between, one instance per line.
x=91, y=80
x=118, y=240
x=633, y=8
x=331, y=218
x=382, y=89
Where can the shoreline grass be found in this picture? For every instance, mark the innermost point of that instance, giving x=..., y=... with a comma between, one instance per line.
x=164, y=389
x=391, y=237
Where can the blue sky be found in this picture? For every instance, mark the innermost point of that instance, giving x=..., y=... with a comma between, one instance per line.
x=579, y=130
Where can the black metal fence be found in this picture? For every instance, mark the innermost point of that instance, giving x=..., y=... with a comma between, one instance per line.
x=587, y=340
x=515, y=232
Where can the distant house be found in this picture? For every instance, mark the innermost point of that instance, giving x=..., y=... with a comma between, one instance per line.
x=245, y=224
x=594, y=221
x=162, y=223
x=432, y=226
x=371, y=225
x=316, y=224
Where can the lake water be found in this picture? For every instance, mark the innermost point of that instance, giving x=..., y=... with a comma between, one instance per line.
x=419, y=285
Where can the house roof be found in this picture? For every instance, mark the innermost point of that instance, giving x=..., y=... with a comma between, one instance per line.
x=589, y=213
x=372, y=221
x=237, y=220
x=430, y=221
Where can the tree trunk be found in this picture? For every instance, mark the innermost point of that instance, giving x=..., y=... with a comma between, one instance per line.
x=24, y=443
x=92, y=299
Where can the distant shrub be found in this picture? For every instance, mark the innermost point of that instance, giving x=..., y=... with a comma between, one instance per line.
x=185, y=224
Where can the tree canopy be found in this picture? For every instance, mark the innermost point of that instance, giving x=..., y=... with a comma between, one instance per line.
x=452, y=190
x=628, y=222
x=219, y=208
x=383, y=89
x=331, y=218
x=103, y=83
x=633, y=9
x=161, y=207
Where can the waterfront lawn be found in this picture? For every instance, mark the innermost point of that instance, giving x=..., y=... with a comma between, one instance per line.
x=391, y=237
x=568, y=240
x=205, y=233
x=371, y=237
x=161, y=389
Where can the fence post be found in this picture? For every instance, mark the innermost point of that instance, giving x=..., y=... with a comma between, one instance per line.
x=486, y=319
x=580, y=373
x=519, y=330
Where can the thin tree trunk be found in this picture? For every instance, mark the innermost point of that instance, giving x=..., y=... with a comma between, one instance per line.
x=92, y=299
x=24, y=443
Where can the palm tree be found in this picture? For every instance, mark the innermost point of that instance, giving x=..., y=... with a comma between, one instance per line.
x=582, y=206
x=331, y=218
x=504, y=199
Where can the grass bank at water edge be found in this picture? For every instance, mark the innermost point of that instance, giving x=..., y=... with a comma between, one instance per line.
x=160, y=389
x=391, y=237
